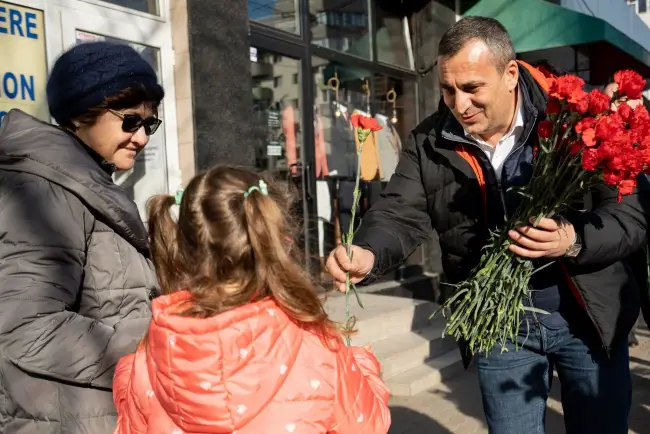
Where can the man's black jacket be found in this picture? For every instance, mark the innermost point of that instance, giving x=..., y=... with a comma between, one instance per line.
x=434, y=187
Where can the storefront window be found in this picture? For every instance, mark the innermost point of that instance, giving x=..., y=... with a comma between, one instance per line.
x=341, y=25
x=390, y=34
x=148, y=176
x=281, y=14
x=148, y=6
x=344, y=91
x=276, y=118
x=429, y=25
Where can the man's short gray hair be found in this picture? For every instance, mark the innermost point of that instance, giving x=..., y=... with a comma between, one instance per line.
x=488, y=30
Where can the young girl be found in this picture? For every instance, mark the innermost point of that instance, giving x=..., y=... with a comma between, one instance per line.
x=240, y=342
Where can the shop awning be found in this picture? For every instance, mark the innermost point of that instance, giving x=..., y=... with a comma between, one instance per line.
x=538, y=25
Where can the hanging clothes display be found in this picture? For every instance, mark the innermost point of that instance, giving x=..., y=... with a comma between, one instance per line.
x=370, y=167
x=342, y=159
x=319, y=144
x=389, y=147
x=291, y=151
x=289, y=129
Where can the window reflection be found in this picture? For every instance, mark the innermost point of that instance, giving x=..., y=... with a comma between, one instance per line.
x=281, y=14
x=344, y=91
x=341, y=25
x=390, y=33
x=148, y=6
x=276, y=116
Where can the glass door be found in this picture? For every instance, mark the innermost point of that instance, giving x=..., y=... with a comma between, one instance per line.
x=277, y=111
x=156, y=169
x=284, y=131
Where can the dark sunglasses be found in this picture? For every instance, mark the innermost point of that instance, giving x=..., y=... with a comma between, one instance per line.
x=132, y=123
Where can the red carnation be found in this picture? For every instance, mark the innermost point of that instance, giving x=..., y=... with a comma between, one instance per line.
x=575, y=148
x=625, y=112
x=553, y=107
x=613, y=177
x=567, y=87
x=630, y=83
x=626, y=187
x=598, y=102
x=590, y=159
x=640, y=118
x=545, y=129
x=589, y=137
x=365, y=122
x=607, y=126
x=607, y=149
x=616, y=163
x=584, y=124
x=579, y=102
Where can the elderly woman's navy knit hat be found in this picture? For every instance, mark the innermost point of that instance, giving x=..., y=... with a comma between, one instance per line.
x=89, y=72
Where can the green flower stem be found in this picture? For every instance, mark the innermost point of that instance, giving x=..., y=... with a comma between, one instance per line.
x=488, y=308
x=347, y=239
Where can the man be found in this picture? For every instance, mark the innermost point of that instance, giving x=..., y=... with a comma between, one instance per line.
x=453, y=176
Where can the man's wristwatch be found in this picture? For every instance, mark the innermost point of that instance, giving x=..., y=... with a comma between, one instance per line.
x=574, y=249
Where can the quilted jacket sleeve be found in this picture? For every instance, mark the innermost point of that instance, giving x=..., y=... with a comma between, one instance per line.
x=399, y=222
x=131, y=418
x=42, y=256
x=361, y=402
x=613, y=231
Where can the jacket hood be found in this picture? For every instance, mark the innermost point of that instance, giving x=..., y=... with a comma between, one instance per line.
x=212, y=375
x=31, y=146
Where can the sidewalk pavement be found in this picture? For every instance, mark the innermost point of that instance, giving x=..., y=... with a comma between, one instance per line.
x=455, y=407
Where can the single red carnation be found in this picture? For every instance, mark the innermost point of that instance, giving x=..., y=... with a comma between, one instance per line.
x=625, y=112
x=553, y=106
x=365, y=122
x=633, y=163
x=607, y=149
x=589, y=137
x=630, y=83
x=626, y=187
x=613, y=177
x=584, y=124
x=590, y=159
x=545, y=129
x=566, y=87
x=598, y=102
x=616, y=163
x=579, y=102
x=575, y=148
x=640, y=119
x=607, y=126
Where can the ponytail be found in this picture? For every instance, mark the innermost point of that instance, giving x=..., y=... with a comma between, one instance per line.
x=229, y=247
x=162, y=235
x=278, y=265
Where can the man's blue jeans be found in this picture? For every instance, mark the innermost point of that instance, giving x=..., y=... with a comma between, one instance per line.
x=596, y=389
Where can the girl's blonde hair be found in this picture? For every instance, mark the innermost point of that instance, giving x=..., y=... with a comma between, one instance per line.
x=224, y=240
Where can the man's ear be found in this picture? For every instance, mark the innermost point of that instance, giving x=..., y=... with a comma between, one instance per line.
x=511, y=74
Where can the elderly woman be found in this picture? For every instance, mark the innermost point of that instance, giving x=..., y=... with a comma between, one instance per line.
x=75, y=275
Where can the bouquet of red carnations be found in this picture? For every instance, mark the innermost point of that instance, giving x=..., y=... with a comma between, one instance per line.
x=587, y=138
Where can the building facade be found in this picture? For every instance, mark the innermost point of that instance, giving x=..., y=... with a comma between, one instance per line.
x=273, y=83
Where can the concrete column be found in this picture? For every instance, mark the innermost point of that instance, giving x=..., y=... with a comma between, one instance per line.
x=221, y=83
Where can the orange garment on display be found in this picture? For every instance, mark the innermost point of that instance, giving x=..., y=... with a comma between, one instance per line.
x=370, y=167
x=291, y=152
